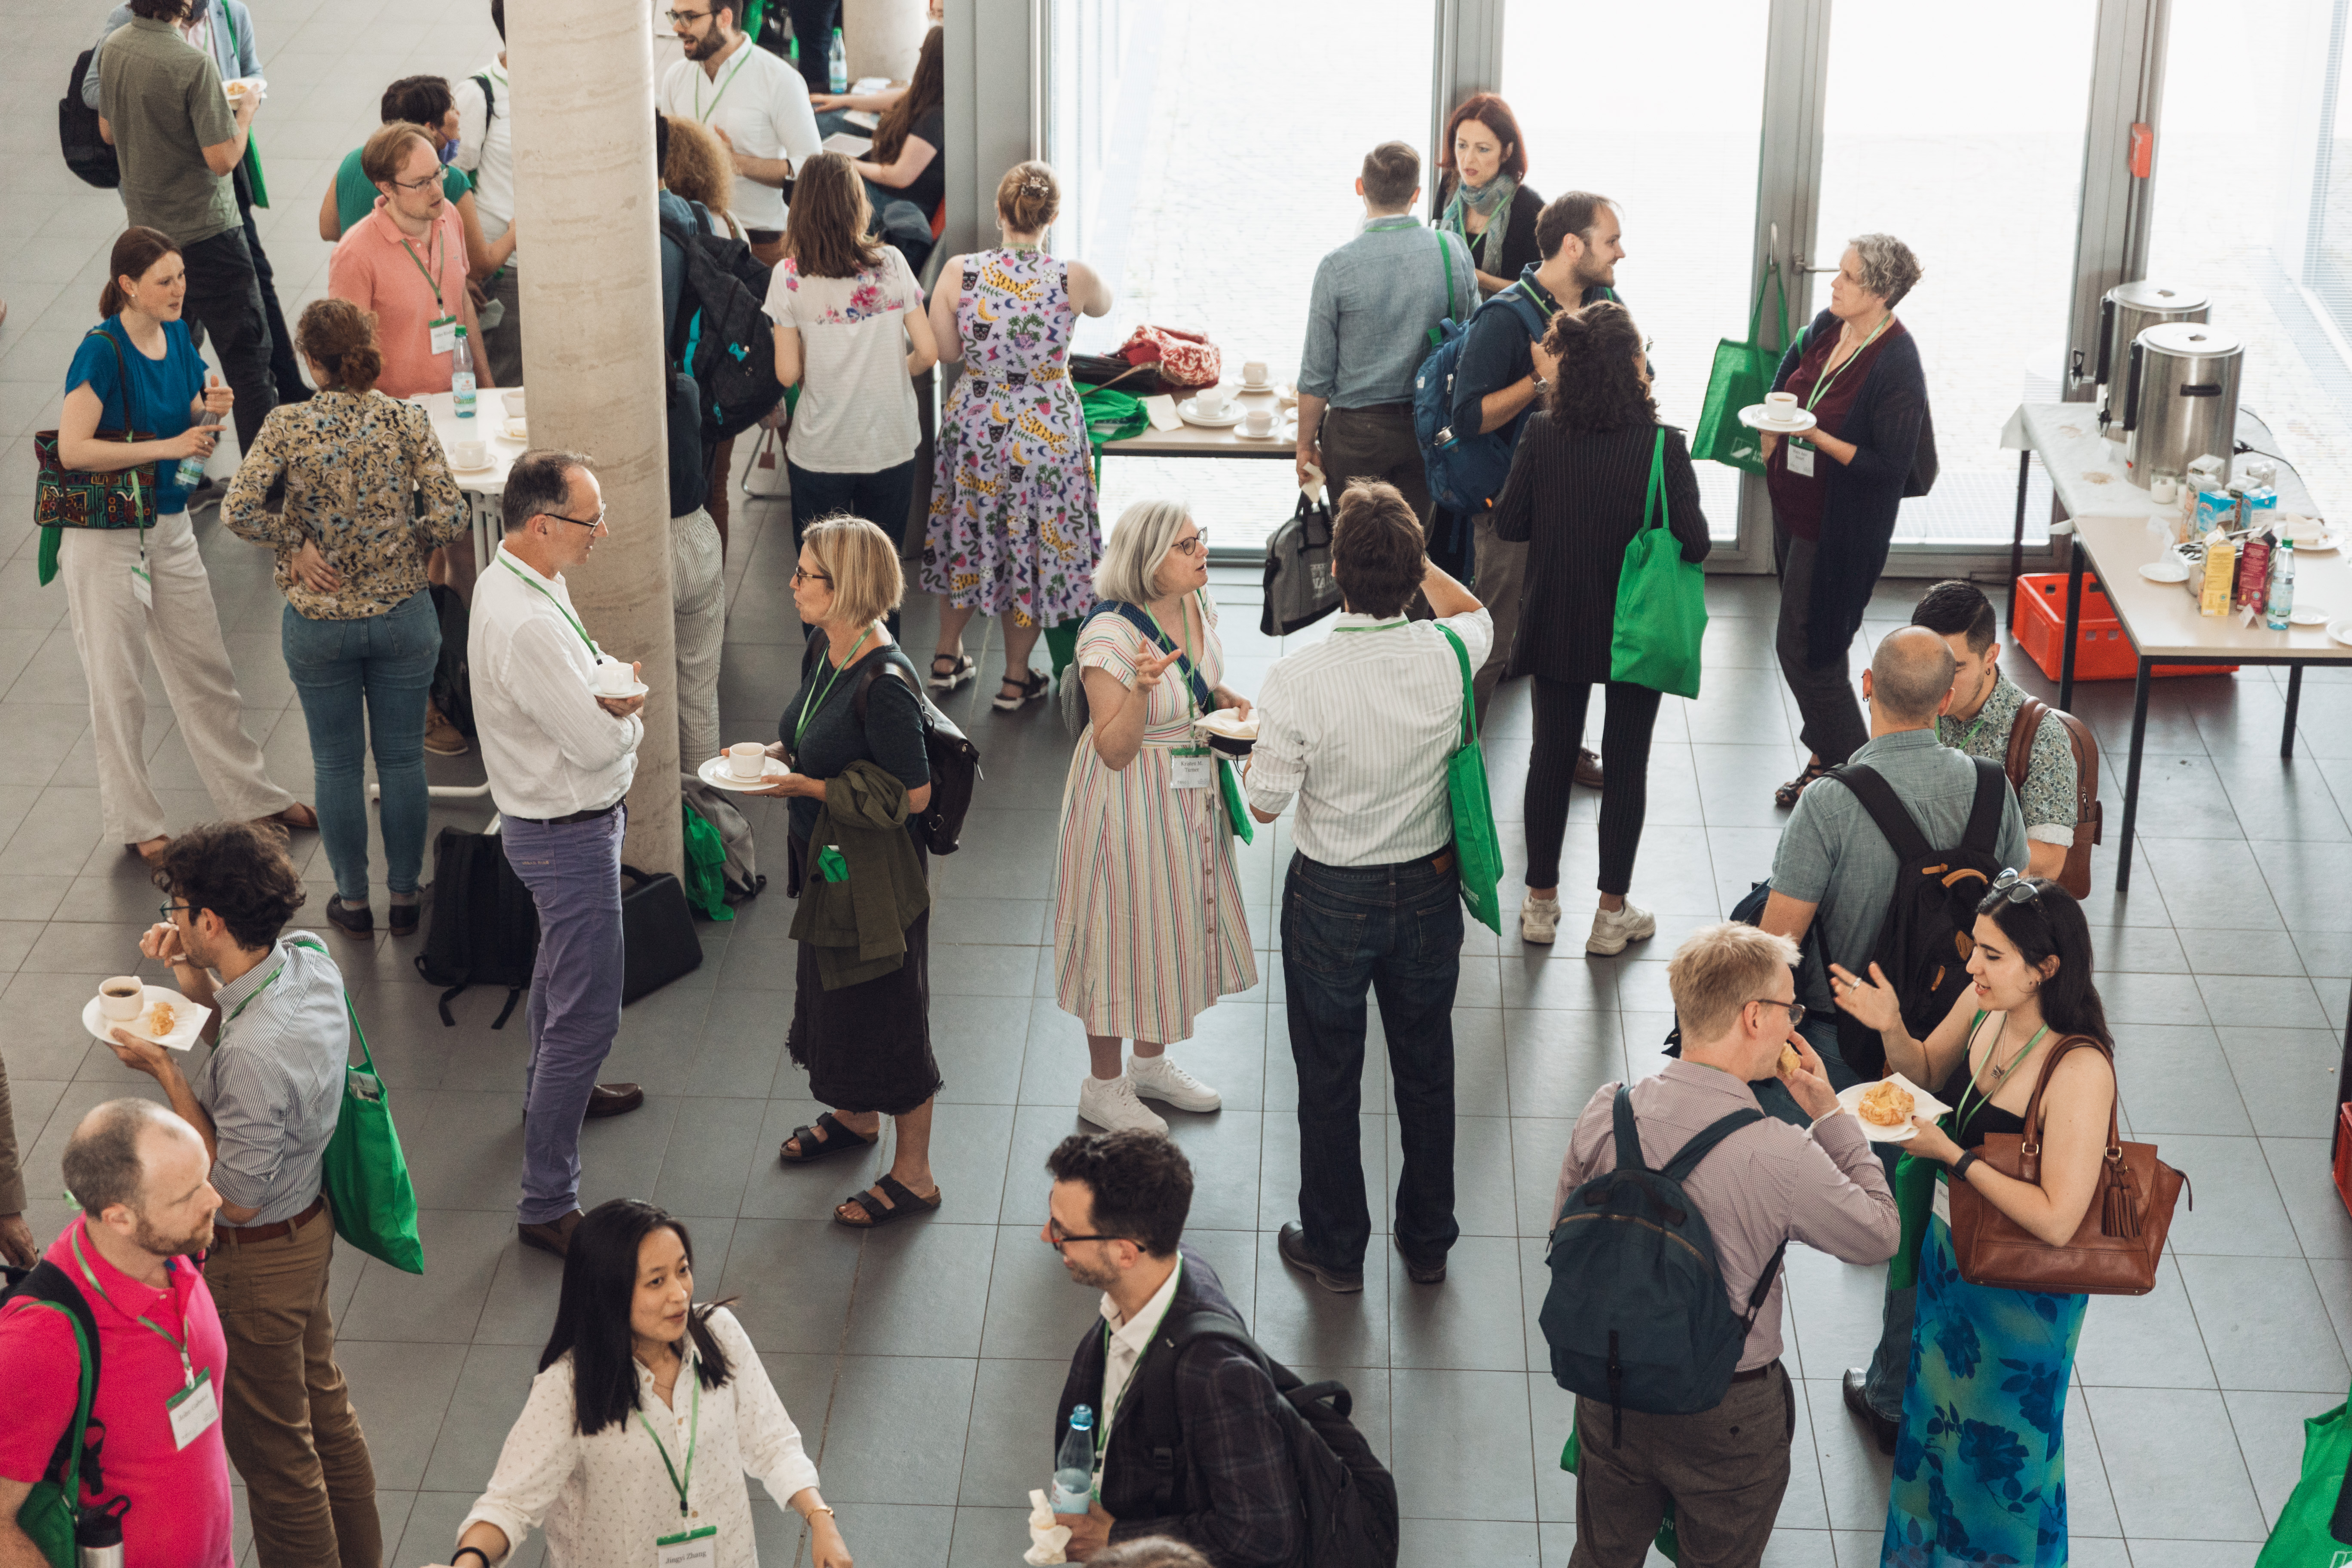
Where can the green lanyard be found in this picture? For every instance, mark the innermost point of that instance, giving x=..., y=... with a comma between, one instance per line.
x=1383, y=627
x=816, y=698
x=744, y=50
x=249, y=995
x=507, y=562
x=432, y=279
x=1102, y=1428
x=1960, y=1119
x=1823, y=386
x=693, y=1435
x=187, y=1367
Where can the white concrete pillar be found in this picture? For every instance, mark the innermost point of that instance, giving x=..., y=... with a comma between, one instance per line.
x=585, y=186
x=882, y=37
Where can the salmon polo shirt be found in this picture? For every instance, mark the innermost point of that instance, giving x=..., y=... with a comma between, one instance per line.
x=179, y=1515
x=379, y=268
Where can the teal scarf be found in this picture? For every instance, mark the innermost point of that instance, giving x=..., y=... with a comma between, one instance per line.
x=1493, y=200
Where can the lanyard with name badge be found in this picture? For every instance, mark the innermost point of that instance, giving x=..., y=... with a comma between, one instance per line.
x=1103, y=1426
x=1189, y=767
x=442, y=329
x=815, y=700
x=1943, y=1204
x=195, y=1410
x=594, y=651
x=697, y=1548
x=1800, y=451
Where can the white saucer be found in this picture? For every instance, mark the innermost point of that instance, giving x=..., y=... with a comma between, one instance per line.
x=2320, y=545
x=1755, y=418
x=2341, y=631
x=1283, y=430
x=639, y=689
x=714, y=774
x=2154, y=571
x=2307, y=617
x=484, y=467
x=1190, y=412
x=1263, y=388
x=186, y=1026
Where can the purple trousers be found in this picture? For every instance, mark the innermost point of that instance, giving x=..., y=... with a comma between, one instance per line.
x=574, y=872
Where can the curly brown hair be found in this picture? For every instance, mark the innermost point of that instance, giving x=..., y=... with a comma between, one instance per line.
x=341, y=337
x=239, y=872
x=697, y=169
x=1599, y=385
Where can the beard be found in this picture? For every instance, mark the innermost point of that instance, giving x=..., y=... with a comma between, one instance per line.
x=152, y=1240
x=1098, y=1279
x=709, y=43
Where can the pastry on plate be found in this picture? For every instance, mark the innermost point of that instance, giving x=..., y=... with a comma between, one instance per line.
x=1886, y=1104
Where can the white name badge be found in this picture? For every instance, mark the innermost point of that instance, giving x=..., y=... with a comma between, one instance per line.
x=1801, y=458
x=688, y=1549
x=143, y=587
x=444, y=334
x=1943, y=1205
x=194, y=1410
x=1192, y=767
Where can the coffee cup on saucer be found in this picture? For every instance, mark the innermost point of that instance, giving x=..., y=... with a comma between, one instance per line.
x=469, y=454
x=746, y=761
x=1258, y=422
x=1254, y=375
x=1780, y=406
x=121, y=998
x=513, y=401
x=615, y=679
x=1209, y=403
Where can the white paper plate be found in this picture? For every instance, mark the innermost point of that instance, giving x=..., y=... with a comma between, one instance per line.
x=1755, y=418
x=2341, y=632
x=2156, y=571
x=2318, y=546
x=2312, y=616
x=1190, y=412
x=1223, y=722
x=188, y=1023
x=714, y=774
x=1926, y=1105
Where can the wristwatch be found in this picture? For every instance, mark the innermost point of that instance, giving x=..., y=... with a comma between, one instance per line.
x=1540, y=385
x=1959, y=1167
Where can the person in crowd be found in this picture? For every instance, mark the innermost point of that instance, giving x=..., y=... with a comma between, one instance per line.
x=265, y=1102
x=698, y=545
x=137, y=1173
x=559, y=760
x=179, y=137
x=697, y=169
x=907, y=162
x=1984, y=711
x=486, y=154
x=367, y=498
x=764, y=119
x=1481, y=160
x=609, y=1456
x=1989, y=1368
x=404, y=264
x=1013, y=531
x=814, y=24
x=1836, y=489
x=1149, y=929
x=1376, y=301
x=864, y=1043
x=423, y=100
x=1576, y=499
x=1725, y=1470
x=1503, y=370
x=1115, y=1215
x=1835, y=870
x=137, y=593
x=1358, y=728
x=835, y=105
x=223, y=30
x=851, y=334
x=17, y=1246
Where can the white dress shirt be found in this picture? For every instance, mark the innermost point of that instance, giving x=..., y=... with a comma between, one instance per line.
x=604, y=1501
x=1359, y=727
x=762, y=104
x=1127, y=1337
x=549, y=748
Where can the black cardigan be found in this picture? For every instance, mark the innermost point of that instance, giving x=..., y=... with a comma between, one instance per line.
x=1859, y=499
x=1519, y=236
x=1576, y=498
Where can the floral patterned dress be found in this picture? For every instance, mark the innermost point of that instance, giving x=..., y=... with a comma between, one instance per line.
x=1013, y=522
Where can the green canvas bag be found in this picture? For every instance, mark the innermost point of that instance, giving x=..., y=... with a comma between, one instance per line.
x=52, y=1508
x=2314, y=1528
x=1475, y=852
x=706, y=866
x=363, y=1171
x=1661, y=601
x=1743, y=374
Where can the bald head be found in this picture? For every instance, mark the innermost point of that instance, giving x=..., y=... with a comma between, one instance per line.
x=1910, y=677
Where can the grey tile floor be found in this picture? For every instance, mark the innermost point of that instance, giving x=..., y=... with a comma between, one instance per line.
x=922, y=1362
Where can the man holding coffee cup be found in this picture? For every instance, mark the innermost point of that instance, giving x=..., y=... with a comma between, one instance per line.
x=559, y=743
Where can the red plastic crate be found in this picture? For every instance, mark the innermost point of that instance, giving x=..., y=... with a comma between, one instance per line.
x=2344, y=1156
x=2102, y=652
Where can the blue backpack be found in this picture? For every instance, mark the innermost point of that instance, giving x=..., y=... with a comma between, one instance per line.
x=1465, y=470
x=1636, y=1313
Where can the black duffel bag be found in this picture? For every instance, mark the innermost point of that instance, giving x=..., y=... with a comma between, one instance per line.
x=656, y=932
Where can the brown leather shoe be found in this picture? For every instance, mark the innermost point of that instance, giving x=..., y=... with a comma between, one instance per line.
x=614, y=1099
x=1588, y=768
x=553, y=1235
x=442, y=738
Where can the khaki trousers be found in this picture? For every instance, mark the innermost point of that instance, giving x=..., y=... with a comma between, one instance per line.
x=1724, y=1469
x=286, y=1414
x=698, y=608
x=1501, y=580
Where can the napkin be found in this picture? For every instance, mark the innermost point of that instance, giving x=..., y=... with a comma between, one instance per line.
x=1046, y=1538
x=1163, y=413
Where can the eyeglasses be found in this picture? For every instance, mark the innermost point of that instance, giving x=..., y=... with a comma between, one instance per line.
x=802, y=575
x=591, y=523
x=1061, y=1238
x=679, y=19
x=2013, y=888
x=434, y=178
x=1796, y=1009
x=1196, y=545
x=169, y=909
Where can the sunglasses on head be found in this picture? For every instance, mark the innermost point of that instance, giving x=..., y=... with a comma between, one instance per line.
x=2013, y=886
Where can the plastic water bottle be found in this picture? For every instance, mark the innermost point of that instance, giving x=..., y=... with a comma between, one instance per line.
x=836, y=65
x=191, y=471
x=2282, y=602
x=461, y=377
x=1074, y=1466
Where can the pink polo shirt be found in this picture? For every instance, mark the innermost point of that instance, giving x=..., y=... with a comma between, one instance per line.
x=179, y=1515
x=378, y=268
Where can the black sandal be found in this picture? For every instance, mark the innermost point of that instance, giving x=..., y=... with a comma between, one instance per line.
x=1035, y=686
x=959, y=669
x=1785, y=797
x=835, y=1139
x=902, y=1203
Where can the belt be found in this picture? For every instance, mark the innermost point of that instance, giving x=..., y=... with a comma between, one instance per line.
x=567, y=821
x=1440, y=863
x=247, y=1236
x=1404, y=407
x=1753, y=1372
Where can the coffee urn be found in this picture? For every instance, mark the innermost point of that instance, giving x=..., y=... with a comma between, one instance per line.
x=2180, y=398
x=2126, y=311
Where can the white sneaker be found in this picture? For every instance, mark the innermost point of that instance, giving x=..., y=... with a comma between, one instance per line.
x=1110, y=1104
x=1539, y=919
x=1161, y=1078
x=1612, y=929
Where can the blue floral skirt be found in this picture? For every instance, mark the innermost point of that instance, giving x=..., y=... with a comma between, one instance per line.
x=1980, y=1462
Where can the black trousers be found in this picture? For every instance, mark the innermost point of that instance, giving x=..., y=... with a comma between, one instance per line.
x=226, y=296
x=812, y=25
x=284, y=369
x=1631, y=713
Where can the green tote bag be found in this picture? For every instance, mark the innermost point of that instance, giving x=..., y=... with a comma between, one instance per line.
x=366, y=1177
x=1479, y=857
x=1661, y=601
x=1743, y=375
x=2314, y=1528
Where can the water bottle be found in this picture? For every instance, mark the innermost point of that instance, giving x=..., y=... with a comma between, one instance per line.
x=97, y=1540
x=461, y=379
x=1074, y=1466
x=2282, y=586
x=836, y=65
x=191, y=471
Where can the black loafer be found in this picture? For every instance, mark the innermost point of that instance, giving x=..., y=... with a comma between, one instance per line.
x=1291, y=1242
x=1881, y=1428
x=1422, y=1273
x=356, y=919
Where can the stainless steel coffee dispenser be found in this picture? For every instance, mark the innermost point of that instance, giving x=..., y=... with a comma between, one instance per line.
x=2126, y=311
x=2180, y=398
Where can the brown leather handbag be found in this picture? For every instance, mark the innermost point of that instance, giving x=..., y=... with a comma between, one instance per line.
x=2114, y=1250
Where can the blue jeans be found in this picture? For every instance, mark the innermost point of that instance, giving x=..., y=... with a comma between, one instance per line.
x=574, y=872
x=1397, y=929
x=363, y=681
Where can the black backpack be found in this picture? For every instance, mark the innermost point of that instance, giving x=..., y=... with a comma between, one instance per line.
x=954, y=760
x=723, y=338
x=1636, y=1313
x=1352, y=1499
x=73, y=1466
x=93, y=161
x=480, y=926
x=453, y=680
x=1925, y=942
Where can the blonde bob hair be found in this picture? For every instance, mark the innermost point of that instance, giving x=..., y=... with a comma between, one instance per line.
x=1128, y=573
x=1718, y=970
x=863, y=566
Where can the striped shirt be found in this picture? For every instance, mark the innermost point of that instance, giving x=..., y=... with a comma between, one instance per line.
x=1359, y=727
x=274, y=1084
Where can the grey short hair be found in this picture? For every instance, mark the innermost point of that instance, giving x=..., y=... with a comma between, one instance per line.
x=540, y=481
x=1888, y=268
x=1143, y=535
x=1910, y=673
x=101, y=1164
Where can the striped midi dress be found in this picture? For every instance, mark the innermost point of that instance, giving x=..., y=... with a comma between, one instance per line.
x=1148, y=921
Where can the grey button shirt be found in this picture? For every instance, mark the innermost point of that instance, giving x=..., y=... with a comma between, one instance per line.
x=274, y=1084
x=1832, y=854
x=1766, y=1184
x=1374, y=300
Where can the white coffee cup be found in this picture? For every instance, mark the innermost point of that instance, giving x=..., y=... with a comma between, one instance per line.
x=1258, y=422
x=513, y=402
x=1254, y=374
x=2164, y=489
x=746, y=760
x=122, y=997
x=469, y=454
x=1210, y=402
x=614, y=677
x=1780, y=406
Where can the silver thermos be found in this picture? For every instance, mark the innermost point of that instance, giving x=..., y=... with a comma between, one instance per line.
x=97, y=1540
x=2126, y=311
x=2181, y=399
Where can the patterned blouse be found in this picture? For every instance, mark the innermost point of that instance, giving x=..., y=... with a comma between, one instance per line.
x=365, y=479
x=2048, y=798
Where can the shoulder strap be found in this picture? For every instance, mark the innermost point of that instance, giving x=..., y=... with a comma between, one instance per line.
x=1158, y=1426
x=1702, y=1142
x=51, y=1289
x=2022, y=731
x=1141, y=619
x=1628, y=1130
x=367, y=1057
x=489, y=101
x=1469, y=708
x=2034, y=1106
x=1879, y=799
x=1984, y=817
